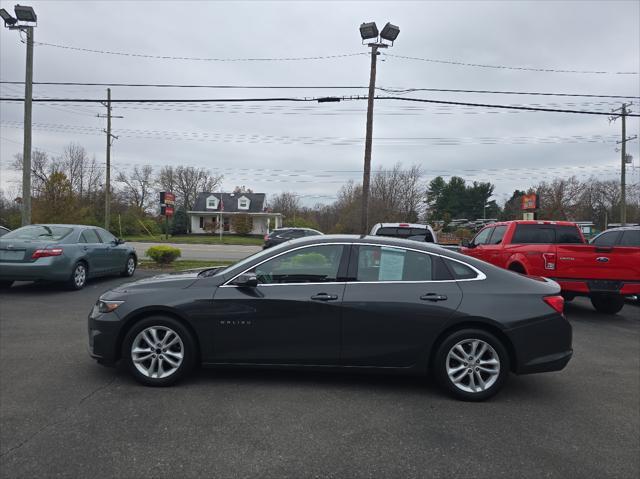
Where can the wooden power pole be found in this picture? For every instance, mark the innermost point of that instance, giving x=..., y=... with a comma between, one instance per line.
x=110, y=138
x=623, y=160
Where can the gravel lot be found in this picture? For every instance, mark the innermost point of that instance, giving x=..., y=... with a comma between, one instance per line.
x=63, y=415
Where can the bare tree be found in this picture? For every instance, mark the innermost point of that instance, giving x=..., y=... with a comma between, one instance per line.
x=286, y=203
x=138, y=186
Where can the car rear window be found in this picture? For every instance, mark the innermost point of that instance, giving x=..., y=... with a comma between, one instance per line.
x=405, y=232
x=630, y=238
x=39, y=232
x=546, y=234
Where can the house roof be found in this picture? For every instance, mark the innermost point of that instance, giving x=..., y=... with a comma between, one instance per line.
x=230, y=202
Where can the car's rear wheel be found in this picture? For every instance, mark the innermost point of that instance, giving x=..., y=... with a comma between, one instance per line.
x=607, y=303
x=159, y=351
x=5, y=284
x=78, y=276
x=130, y=267
x=471, y=364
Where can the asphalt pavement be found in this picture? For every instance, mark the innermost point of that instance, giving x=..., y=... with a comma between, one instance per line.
x=63, y=415
x=208, y=252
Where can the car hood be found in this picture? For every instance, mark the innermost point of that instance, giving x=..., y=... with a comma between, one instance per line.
x=167, y=280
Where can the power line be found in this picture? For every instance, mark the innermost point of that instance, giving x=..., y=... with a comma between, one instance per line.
x=505, y=67
x=200, y=59
x=293, y=99
x=319, y=87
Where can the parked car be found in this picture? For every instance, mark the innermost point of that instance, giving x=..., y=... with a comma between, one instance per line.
x=342, y=302
x=4, y=231
x=65, y=253
x=557, y=249
x=281, y=235
x=624, y=236
x=410, y=231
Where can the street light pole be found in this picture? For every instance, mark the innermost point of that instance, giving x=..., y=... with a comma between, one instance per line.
x=24, y=21
x=366, y=178
x=26, y=147
x=369, y=31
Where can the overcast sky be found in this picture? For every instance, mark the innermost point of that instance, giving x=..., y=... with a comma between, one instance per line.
x=312, y=148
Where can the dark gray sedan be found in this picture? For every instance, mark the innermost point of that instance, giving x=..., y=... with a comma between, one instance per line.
x=341, y=302
x=64, y=253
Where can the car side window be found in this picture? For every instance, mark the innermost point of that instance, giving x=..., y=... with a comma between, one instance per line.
x=498, y=234
x=630, y=238
x=460, y=270
x=316, y=264
x=89, y=236
x=384, y=263
x=482, y=237
x=609, y=238
x=106, y=236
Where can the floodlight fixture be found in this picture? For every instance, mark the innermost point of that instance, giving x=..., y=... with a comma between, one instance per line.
x=25, y=14
x=368, y=30
x=390, y=32
x=7, y=17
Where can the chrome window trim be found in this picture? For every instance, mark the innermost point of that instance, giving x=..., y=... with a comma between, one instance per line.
x=480, y=275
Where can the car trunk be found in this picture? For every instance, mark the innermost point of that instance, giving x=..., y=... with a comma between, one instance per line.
x=597, y=263
x=20, y=251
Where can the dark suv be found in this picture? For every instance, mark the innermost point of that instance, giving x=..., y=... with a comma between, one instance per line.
x=285, y=234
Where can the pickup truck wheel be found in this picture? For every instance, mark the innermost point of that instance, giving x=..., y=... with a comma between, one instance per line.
x=608, y=303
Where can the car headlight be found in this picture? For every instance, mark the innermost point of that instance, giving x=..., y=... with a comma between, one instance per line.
x=107, y=306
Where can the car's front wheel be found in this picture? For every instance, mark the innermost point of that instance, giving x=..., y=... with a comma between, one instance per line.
x=159, y=351
x=130, y=267
x=471, y=364
x=607, y=303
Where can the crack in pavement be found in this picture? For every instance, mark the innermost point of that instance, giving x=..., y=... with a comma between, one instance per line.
x=65, y=415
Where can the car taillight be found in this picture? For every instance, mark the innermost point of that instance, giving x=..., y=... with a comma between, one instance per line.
x=43, y=253
x=556, y=302
x=549, y=260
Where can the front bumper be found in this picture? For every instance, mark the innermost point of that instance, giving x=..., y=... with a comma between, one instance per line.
x=543, y=345
x=104, y=333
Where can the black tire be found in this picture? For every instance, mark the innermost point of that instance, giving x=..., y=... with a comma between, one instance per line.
x=161, y=324
x=79, y=274
x=128, y=272
x=439, y=367
x=5, y=284
x=607, y=303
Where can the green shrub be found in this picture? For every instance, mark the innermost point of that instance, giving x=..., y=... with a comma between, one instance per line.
x=163, y=254
x=242, y=224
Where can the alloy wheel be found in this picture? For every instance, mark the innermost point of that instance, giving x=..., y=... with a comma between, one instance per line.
x=473, y=365
x=131, y=266
x=79, y=275
x=157, y=352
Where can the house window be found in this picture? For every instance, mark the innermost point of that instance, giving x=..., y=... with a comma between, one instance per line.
x=243, y=203
x=212, y=203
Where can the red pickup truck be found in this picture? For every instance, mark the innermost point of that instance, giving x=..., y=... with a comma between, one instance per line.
x=558, y=250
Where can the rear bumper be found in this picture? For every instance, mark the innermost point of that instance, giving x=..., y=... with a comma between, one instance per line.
x=585, y=287
x=50, y=269
x=543, y=345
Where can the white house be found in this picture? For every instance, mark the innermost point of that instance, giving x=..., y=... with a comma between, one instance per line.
x=219, y=208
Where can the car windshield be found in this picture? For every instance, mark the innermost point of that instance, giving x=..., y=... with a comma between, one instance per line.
x=253, y=257
x=39, y=232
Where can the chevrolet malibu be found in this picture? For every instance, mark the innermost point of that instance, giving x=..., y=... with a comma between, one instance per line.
x=339, y=302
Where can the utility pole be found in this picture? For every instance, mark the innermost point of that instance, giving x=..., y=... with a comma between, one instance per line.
x=623, y=160
x=26, y=147
x=110, y=137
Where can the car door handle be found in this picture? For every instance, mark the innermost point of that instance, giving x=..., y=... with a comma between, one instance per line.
x=433, y=297
x=324, y=297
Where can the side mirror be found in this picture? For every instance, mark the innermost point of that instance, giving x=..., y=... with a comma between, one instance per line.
x=118, y=241
x=248, y=280
x=466, y=243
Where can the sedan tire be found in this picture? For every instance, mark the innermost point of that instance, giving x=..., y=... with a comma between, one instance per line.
x=129, y=267
x=471, y=364
x=159, y=351
x=78, y=276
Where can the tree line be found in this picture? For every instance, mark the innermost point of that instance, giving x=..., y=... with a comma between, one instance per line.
x=70, y=189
